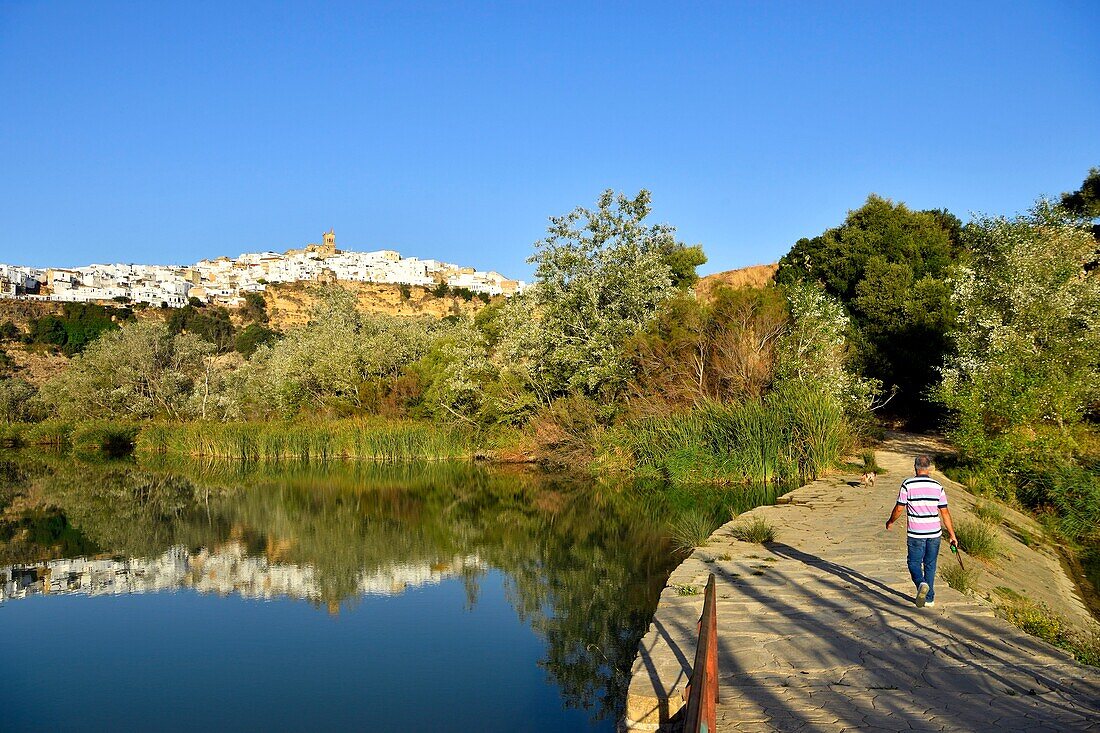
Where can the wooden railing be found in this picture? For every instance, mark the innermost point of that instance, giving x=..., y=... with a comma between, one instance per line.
x=701, y=710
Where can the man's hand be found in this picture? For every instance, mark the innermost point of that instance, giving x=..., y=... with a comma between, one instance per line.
x=954, y=541
x=888, y=523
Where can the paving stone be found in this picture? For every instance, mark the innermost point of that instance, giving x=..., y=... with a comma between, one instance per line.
x=827, y=637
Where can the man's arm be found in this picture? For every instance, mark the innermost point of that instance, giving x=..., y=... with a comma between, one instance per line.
x=945, y=515
x=898, y=509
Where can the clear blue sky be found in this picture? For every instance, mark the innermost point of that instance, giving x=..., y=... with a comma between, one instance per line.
x=167, y=132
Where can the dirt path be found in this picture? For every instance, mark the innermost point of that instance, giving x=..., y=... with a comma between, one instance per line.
x=818, y=632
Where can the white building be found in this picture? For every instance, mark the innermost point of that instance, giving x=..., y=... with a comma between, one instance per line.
x=224, y=280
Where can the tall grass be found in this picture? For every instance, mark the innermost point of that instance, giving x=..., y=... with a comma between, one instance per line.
x=374, y=440
x=102, y=437
x=961, y=579
x=793, y=434
x=977, y=538
x=757, y=530
x=52, y=433
x=693, y=528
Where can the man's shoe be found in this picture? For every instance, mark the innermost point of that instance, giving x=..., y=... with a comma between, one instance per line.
x=930, y=604
x=922, y=592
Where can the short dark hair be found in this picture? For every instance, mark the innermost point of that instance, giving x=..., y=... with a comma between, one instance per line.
x=922, y=462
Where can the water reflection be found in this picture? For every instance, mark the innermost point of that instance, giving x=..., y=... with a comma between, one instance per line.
x=583, y=562
x=226, y=570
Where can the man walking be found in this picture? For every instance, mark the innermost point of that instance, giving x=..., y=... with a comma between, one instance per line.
x=925, y=504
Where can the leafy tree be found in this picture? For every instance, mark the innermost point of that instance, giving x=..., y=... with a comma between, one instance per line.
x=465, y=293
x=139, y=372
x=888, y=266
x=1028, y=342
x=343, y=359
x=812, y=350
x=457, y=376
x=9, y=331
x=682, y=262
x=1085, y=201
x=601, y=275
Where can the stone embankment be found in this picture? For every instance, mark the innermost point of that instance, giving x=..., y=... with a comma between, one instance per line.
x=817, y=631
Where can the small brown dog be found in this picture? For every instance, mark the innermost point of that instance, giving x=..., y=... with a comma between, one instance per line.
x=869, y=478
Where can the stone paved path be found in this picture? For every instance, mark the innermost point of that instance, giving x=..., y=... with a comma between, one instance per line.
x=818, y=632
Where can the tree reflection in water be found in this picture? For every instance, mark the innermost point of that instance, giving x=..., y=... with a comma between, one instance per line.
x=585, y=560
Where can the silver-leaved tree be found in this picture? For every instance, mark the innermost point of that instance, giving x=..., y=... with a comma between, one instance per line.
x=601, y=275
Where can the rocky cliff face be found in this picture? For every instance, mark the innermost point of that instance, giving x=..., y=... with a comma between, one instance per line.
x=290, y=304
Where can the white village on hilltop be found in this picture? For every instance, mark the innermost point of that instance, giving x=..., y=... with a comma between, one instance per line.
x=225, y=280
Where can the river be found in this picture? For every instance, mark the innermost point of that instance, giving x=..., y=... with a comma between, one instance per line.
x=441, y=597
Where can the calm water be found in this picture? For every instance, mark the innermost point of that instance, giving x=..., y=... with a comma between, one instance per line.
x=435, y=597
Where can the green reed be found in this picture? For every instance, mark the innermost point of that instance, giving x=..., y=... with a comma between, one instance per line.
x=373, y=440
x=793, y=434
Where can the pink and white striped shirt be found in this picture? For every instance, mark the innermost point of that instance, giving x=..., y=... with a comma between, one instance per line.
x=922, y=497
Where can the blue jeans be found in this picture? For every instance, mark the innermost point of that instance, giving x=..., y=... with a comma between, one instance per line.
x=922, y=557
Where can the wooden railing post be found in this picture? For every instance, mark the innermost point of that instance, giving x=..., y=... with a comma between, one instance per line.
x=701, y=712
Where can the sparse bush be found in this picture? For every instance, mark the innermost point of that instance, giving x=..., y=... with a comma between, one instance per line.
x=757, y=530
x=870, y=465
x=1039, y=620
x=976, y=538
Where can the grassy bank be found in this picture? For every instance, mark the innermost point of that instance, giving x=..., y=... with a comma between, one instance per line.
x=373, y=440
x=791, y=435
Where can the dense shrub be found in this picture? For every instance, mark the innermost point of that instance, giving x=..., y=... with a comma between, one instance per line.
x=252, y=337
x=139, y=372
x=1070, y=492
x=78, y=326
x=209, y=324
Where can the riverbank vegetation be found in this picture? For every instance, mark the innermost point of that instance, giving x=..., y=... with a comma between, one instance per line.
x=611, y=362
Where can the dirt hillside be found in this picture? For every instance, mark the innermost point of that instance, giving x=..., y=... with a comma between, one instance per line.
x=755, y=276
